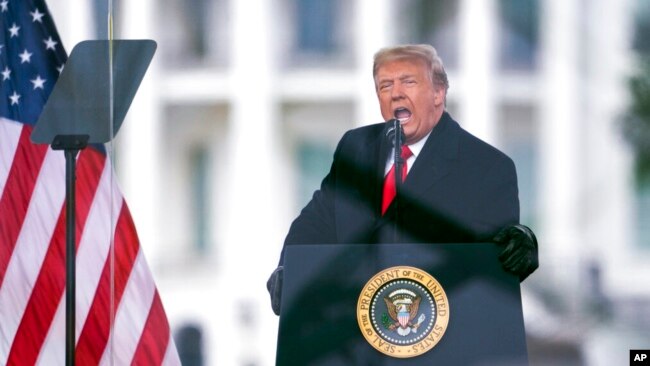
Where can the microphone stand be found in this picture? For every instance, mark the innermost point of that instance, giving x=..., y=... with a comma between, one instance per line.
x=398, y=141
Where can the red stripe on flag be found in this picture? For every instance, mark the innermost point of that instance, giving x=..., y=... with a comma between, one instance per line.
x=50, y=284
x=155, y=336
x=94, y=336
x=43, y=301
x=17, y=193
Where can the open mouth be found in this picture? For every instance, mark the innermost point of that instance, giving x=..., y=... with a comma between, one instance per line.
x=402, y=114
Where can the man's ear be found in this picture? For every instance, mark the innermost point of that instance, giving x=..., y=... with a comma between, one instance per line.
x=438, y=96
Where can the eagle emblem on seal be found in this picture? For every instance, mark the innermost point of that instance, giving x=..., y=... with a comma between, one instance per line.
x=402, y=308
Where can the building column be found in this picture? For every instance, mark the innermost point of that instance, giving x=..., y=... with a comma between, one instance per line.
x=252, y=203
x=137, y=144
x=478, y=20
x=560, y=141
x=373, y=31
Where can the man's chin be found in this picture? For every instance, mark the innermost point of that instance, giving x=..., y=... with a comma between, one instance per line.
x=409, y=134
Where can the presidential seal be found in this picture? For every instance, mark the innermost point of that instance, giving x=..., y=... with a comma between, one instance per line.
x=403, y=312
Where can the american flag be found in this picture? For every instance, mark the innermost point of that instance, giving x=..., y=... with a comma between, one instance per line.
x=117, y=322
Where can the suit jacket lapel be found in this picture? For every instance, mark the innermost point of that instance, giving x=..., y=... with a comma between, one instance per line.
x=436, y=158
x=435, y=161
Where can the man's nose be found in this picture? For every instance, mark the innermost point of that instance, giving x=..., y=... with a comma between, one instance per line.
x=397, y=92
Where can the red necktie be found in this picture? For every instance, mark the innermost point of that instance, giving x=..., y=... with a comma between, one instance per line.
x=389, y=181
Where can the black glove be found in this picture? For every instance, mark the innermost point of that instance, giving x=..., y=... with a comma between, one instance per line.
x=274, y=285
x=519, y=254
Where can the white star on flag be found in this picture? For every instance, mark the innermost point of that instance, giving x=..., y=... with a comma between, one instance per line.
x=5, y=73
x=25, y=56
x=38, y=82
x=15, y=97
x=14, y=30
x=49, y=43
x=37, y=16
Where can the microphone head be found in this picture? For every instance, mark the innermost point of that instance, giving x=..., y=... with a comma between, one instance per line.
x=392, y=126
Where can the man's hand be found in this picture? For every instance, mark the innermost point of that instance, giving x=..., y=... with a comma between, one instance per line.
x=519, y=254
x=274, y=285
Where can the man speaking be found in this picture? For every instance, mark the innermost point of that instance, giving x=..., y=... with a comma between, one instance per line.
x=450, y=185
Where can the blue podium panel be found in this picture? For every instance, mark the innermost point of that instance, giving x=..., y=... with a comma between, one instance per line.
x=327, y=287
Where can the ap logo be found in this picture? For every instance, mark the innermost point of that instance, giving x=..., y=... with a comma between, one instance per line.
x=639, y=357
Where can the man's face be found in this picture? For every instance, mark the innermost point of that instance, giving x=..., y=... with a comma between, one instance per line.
x=406, y=92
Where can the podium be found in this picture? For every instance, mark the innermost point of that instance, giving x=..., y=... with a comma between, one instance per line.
x=340, y=306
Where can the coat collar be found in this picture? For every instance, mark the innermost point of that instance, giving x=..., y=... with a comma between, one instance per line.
x=435, y=161
x=437, y=156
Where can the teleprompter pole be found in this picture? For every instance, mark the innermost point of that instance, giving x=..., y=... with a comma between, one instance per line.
x=71, y=145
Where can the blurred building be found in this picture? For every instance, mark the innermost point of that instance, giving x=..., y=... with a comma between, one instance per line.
x=237, y=120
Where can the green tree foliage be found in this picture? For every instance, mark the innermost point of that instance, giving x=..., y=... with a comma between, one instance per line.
x=636, y=121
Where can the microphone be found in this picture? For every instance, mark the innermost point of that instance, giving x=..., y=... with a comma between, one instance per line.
x=395, y=135
x=394, y=132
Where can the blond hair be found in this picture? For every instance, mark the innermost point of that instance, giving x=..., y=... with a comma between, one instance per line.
x=422, y=52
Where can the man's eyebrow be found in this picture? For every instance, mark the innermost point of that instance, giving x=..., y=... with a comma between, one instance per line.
x=390, y=79
x=406, y=76
x=384, y=80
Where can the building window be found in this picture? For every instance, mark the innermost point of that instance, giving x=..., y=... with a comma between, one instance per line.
x=193, y=136
x=189, y=342
x=643, y=213
x=312, y=131
x=518, y=139
x=193, y=32
x=315, y=25
x=320, y=32
x=199, y=166
x=434, y=22
x=518, y=34
x=314, y=160
x=641, y=41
